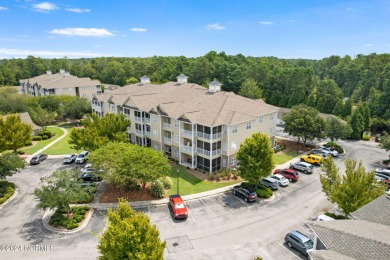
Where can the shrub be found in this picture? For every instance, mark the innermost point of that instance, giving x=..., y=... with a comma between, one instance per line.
x=366, y=137
x=53, y=134
x=7, y=189
x=21, y=152
x=157, y=190
x=28, y=143
x=166, y=182
x=48, y=133
x=37, y=138
x=263, y=194
x=335, y=216
x=41, y=133
x=335, y=146
x=60, y=219
x=45, y=137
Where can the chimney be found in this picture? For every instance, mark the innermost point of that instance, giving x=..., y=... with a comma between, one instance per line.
x=145, y=80
x=48, y=72
x=214, y=86
x=182, y=79
x=62, y=71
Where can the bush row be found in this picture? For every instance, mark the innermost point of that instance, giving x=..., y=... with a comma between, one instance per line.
x=60, y=218
x=335, y=216
x=43, y=135
x=335, y=146
x=7, y=189
x=261, y=191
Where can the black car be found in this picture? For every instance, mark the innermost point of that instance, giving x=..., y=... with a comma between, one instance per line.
x=37, y=159
x=246, y=193
x=89, y=177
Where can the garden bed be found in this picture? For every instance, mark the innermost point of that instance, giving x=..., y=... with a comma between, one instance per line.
x=60, y=219
x=7, y=189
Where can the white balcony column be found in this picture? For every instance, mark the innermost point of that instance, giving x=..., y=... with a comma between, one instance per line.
x=142, y=131
x=193, y=146
x=211, y=148
x=180, y=127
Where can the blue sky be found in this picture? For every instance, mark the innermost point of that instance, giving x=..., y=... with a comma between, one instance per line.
x=142, y=28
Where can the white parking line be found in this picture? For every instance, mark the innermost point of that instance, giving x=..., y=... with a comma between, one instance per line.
x=297, y=257
x=226, y=206
x=207, y=207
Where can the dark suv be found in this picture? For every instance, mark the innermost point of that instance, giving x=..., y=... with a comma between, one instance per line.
x=289, y=174
x=246, y=193
x=299, y=241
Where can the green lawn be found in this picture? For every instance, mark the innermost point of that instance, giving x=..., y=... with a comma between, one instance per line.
x=43, y=143
x=189, y=184
x=62, y=146
x=285, y=157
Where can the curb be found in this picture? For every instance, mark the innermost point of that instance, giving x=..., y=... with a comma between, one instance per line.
x=49, y=213
x=16, y=192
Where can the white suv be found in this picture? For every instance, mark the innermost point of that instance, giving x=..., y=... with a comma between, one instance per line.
x=82, y=157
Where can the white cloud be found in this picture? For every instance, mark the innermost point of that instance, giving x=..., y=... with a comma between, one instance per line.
x=215, y=26
x=96, y=32
x=266, y=23
x=2, y=8
x=368, y=45
x=78, y=10
x=44, y=7
x=291, y=21
x=138, y=29
x=17, y=53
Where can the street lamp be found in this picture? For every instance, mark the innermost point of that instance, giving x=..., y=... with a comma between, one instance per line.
x=177, y=181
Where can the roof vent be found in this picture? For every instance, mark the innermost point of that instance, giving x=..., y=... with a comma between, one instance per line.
x=62, y=71
x=215, y=86
x=182, y=79
x=145, y=80
x=48, y=72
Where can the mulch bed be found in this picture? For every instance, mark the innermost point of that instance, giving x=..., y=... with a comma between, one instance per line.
x=111, y=194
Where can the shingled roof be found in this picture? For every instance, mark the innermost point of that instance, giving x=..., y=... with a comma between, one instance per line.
x=60, y=80
x=377, y=211
x=358, y=239
x=328, y=255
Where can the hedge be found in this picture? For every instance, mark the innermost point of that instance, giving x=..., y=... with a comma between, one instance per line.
x=60, y=218
x=37, y=138
x=7, y=189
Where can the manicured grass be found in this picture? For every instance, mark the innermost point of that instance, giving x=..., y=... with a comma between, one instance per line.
x=62, y=146
x=43, y=143
x=7, y=189
x=286, y=156
x=189, y=184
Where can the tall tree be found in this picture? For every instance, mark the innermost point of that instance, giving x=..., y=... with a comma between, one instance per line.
x=305, y=123
x=14, y=132
x=347, y=110
x=328, y=94
x=255, y=158
x=60, y=189
x=351, y=190
x=250, y=89
x=97, y=132
x=42, y=117
x=357, y=124
x=338, y=109
x=125, y=163
x=337, y=129
x=10, y=163
x=77, y=108
x=130, y=235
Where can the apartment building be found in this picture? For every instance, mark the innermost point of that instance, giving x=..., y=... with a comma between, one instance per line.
x=61, y=83
x=201, y=128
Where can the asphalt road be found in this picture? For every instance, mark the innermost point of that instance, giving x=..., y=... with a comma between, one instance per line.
x=218, y=227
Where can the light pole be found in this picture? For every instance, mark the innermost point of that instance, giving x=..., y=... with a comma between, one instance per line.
x=177, y=181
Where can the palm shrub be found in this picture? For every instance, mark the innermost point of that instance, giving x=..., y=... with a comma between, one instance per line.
x=166, y=182
x=157, y=189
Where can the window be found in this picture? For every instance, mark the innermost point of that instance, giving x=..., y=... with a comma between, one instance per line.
x=112, y=107
x=155, y=119
x=84, y=95
x=155, y=133
x=261, y=118
x=271, y=130
x=271, y=116
x=82, y=88
x=176, y=138
x=234, y=129
x=234, y=145
x=177, y=153
x=176, y=123
x=224, y=147
x=233, y=161
x=225, y=129
x=223, y=162
x=260, y=131
x=248, y=125
x=93, y=87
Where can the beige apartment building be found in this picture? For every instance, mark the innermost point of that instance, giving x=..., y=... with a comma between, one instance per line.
x=61, y=83
x=201, y=128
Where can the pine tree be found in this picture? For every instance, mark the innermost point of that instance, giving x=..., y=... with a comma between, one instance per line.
x=357, y=124
x=250, y=89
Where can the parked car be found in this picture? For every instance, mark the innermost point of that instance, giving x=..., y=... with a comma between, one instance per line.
x=380, y=177
x=299, y=241
x=246, y=193
x=70, y=158
x=82, y=157
x=319, y=152
x=89, y=177
x=37, y=159
x=178, y=206
x=324, y=218
x=281, y=180
x=87, y=168
x=330, y=150
x=313, y=159
x=302, y=166
x=270, y=183
x=382, y=171
x=289, y=174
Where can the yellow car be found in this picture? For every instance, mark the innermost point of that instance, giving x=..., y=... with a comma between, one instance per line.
x=313, y=159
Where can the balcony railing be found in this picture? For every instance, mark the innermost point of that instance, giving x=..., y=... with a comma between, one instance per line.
x=139, y=132
x=186, y=148
x=186, y=133
x=203, y=135
x=167, y=125
x=138, y=119
x=128, y=129
x=127, y=116
x=97, y=108
x=147, y=120
x=167, y=140
x=203, y=151
x=147, y=133
x=217, y=135
x=216, y=152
